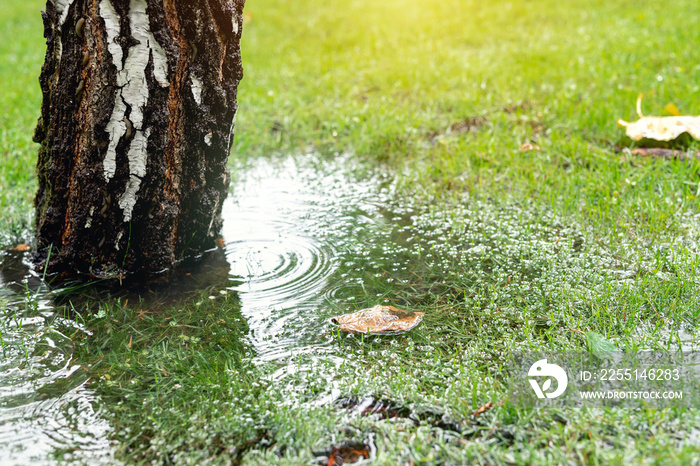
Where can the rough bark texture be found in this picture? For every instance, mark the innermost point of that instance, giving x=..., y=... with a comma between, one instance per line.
x=139, y=101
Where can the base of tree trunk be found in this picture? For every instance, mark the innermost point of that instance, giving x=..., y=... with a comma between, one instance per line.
x=139, y=101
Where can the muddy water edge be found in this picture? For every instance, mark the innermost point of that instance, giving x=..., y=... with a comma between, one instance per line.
x=237, y=360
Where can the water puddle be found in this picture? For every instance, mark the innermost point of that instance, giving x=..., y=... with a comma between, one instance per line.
x=46, y=409
x=285, y=231
x=285, y=226
x=305, y=240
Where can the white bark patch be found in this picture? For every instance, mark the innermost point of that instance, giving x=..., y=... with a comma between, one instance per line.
x=196, y=89
x=234, y=20
x=59, y=53
x=88, y=224
x=137, y=170
x=133, y=76
x=62, y=7
x=132, y=93
x=230, y=131
x=160, y=61
x=207, y=138
x=116, y=126
x=216, y=209
x=111, y=19
x=116, y=129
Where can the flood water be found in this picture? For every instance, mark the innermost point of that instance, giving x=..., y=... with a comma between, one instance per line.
x=305, y=239
x=286, y=229
x=45, y=406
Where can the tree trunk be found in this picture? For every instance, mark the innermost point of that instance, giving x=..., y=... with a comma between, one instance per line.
x=139, y=101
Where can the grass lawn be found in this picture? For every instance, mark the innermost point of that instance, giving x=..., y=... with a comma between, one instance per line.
x=504, y=250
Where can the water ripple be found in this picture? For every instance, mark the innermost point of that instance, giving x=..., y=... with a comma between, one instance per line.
x=283, y=227
x=45, y=406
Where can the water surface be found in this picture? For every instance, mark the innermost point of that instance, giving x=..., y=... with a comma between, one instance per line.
x=46, y=408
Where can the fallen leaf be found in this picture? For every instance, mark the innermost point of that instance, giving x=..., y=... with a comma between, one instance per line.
x=660, y=128
x=483, y=409
x=22, y=247
x=665, y=153
x=351, y=452
x=672, y=109
x=378, y=320
x=528, y=147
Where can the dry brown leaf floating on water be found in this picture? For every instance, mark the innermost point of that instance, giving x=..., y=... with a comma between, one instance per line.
x=661, y=128
x=378, y=320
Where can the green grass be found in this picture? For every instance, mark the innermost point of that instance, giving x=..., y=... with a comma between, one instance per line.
x=388, y=81
x=575, y=237
x=21, y=56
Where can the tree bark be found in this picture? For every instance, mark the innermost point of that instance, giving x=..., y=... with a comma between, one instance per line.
x=139, y=101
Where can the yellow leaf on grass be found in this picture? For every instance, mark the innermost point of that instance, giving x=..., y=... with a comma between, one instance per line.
x=378, y=320
x=672, y=109
x=660, y=128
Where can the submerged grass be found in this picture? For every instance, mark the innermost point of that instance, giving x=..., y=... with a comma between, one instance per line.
x=504, y=250
x=167, y=374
